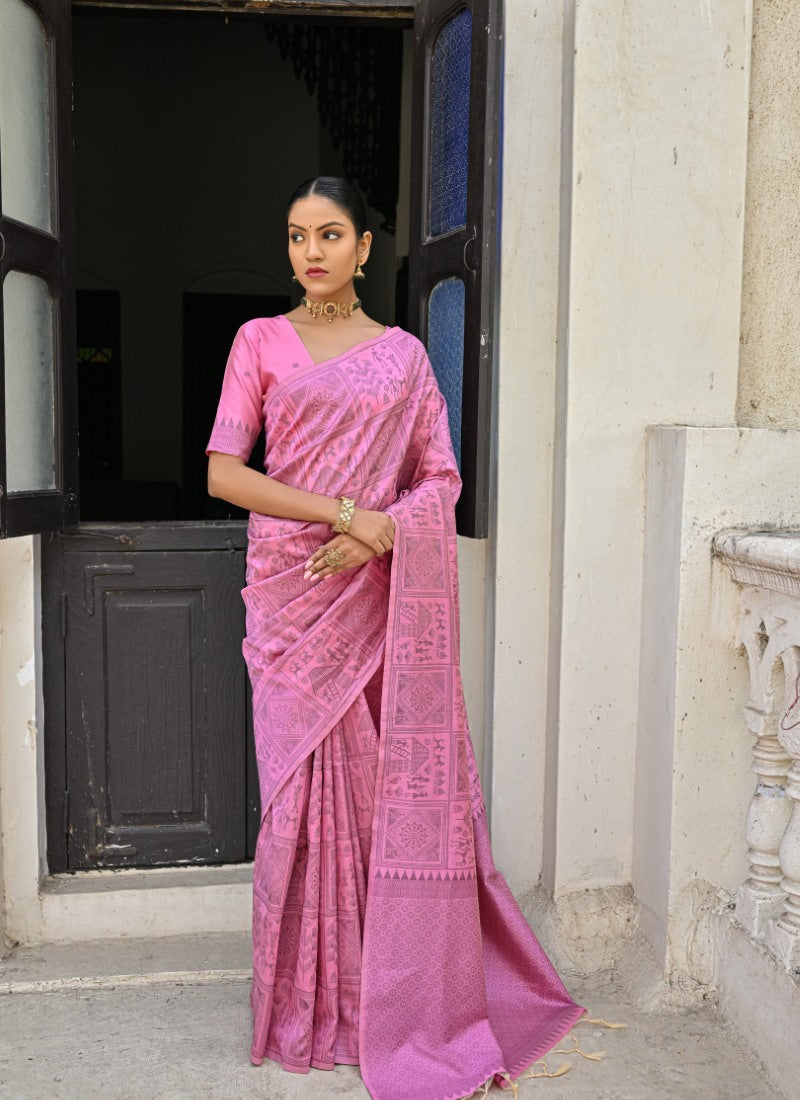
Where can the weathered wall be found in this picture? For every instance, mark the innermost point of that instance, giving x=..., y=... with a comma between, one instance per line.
x=769, y=395
x=21, y=712
x=651, y=323
x=521, y=501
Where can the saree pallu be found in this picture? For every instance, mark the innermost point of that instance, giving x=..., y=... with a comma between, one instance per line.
x=383, y=934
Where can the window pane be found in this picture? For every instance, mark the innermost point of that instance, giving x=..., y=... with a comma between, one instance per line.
x=24, y=115
x=446, y=349
x=450, y=69
x=28, y=343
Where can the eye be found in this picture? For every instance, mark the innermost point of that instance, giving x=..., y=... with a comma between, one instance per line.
x=333, y=234
x=295, y=237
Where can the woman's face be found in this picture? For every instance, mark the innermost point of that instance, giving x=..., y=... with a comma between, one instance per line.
x=323, y=246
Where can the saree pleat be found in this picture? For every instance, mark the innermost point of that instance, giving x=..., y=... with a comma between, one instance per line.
x=309, y=900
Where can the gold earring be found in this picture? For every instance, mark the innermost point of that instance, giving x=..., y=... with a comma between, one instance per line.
x=295, y=279
x=359, y=274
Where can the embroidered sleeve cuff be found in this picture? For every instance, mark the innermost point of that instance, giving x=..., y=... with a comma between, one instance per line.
x=232, y=439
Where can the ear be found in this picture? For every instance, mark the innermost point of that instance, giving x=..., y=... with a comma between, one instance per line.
x=363, y=246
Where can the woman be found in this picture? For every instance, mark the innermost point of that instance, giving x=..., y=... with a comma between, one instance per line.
x=383, y=935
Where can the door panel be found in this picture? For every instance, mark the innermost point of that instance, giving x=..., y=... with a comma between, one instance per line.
x=155, y=688
x=454, y=218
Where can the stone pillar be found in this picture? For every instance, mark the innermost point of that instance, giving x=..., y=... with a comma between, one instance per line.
x=767, y=565
x=761, y=897
x=783, y=934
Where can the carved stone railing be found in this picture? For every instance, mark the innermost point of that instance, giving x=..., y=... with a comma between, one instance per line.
x=767, y=566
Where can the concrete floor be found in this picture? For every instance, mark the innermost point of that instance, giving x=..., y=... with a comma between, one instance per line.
x=171, y=1019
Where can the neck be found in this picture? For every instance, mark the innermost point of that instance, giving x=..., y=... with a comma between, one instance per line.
x=343, y=296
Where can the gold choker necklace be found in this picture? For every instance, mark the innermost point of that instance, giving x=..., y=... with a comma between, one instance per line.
x=330, y=309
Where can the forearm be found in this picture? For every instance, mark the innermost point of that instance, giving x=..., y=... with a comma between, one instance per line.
x=229, y=479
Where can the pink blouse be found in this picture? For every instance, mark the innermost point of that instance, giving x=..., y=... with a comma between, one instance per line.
x=265, y=351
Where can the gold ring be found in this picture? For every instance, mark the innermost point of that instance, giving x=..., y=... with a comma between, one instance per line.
x=334, y=557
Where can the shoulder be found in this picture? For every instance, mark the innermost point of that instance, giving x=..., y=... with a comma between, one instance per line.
x=408, y=340
x=416, y=354
x=258, y=327
x=264, y=336
x=411, y=347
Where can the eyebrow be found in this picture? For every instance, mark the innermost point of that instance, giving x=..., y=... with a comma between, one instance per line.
x=325, y=226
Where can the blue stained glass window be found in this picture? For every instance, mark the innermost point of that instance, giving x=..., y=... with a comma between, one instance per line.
x=446, y=349
x=450, y=69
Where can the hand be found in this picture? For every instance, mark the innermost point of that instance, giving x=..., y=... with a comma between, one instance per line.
x=355, y=553
x=375, y=529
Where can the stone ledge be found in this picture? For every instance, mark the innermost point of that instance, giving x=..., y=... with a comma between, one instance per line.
x=105, y=904
x=108, y=963
x=762, y=557
x=153, y=878
x=758, y=997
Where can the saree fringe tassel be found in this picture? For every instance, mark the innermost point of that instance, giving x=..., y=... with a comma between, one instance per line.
x=539, y=1068
x=383, y=933
x=565, y=1067
x=595, y=1056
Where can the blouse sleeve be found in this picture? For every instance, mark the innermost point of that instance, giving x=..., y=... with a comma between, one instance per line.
x=239, y=416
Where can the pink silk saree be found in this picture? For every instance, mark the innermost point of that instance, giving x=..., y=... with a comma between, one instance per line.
x=383, y=934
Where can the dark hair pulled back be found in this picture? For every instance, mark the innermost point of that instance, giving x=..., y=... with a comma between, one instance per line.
x=339, y=191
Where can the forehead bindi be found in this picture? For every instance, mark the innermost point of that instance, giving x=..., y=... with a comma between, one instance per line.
x=327, y=225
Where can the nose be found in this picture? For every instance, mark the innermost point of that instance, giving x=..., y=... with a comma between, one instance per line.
x=313, y=249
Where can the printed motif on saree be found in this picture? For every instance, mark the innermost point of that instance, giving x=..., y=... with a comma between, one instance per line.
x=383, y=934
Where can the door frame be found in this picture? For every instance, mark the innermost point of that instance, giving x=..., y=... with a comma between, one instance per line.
x=364, y=12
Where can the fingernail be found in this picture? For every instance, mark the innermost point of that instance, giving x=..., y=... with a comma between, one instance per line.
x=307, y=574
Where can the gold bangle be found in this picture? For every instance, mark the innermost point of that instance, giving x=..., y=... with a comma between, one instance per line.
x=346, y=509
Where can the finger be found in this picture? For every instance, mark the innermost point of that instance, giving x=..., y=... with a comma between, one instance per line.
x=339, y=540
x=321, y=568
x=316, y=570
x=319, y=553
x=329, y=571
x=317, y=559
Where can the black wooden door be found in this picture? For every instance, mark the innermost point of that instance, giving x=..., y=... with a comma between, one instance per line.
x=158, y=764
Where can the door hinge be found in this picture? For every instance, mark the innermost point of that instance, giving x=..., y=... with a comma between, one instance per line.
x=63, y=614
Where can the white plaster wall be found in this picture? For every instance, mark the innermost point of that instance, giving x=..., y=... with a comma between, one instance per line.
x=693, y=777
x=21, y=721
x=519, y=545
x=770, y=352
x=657, y=192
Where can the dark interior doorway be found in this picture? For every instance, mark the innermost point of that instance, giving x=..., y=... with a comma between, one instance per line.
x=208, y=321
x=191, y=130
